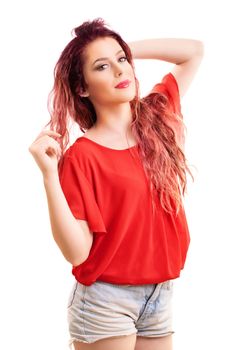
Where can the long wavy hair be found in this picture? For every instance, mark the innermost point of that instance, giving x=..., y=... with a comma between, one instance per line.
x=158, y=131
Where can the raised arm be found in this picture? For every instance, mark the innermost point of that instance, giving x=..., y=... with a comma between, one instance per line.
x=187, y=55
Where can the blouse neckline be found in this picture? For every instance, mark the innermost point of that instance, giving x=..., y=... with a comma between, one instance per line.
x=105, y=147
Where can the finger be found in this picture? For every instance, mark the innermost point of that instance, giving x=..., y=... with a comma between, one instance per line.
x=50, y=141
x=48, y=132
x=56, y=147
x=44, y=144
x=51, y=132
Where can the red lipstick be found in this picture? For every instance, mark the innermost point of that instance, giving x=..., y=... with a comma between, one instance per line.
x=123, y=84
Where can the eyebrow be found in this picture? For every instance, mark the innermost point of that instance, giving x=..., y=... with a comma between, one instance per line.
x=105, y=58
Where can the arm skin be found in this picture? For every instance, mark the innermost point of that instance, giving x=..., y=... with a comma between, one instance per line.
x=186, y=54
x=71, y=235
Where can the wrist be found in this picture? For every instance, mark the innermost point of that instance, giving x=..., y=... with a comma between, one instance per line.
x=50, y=176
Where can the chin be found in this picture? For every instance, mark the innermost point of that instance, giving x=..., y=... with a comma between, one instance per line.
x=127, y=97
x=124, y=100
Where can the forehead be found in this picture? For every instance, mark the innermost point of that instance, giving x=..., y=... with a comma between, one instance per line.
x=101, y=47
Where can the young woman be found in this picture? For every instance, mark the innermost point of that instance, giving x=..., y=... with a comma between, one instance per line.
x=115, y=195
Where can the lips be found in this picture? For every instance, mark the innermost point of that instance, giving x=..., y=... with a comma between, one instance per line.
x=123, y=84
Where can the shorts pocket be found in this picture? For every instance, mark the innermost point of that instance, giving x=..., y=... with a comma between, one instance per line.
x=168, y=285
x=72, y=294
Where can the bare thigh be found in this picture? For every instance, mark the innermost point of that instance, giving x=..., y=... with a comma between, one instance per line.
x=114, y=343
x=156, y=343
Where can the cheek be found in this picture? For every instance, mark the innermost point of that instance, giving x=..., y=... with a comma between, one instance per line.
x=100, y=85
x=99, y=89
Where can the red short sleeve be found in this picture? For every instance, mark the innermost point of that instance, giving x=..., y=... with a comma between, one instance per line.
x=79, y=194
x=169, y=87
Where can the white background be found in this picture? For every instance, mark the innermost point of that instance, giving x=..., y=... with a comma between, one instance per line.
x=35, y=278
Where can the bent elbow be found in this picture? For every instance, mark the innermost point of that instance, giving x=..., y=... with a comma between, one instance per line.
x=78, y=261
x=200, y=48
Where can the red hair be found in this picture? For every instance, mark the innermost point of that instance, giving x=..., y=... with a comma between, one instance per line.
x=159, y=132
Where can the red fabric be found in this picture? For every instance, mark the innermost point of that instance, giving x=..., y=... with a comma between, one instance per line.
x=170, y=87
x=109, y=189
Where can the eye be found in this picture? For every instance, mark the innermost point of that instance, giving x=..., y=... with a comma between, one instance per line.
x=102, y=65
x=124, y=57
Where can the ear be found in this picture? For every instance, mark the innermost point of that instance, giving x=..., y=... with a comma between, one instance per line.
x=83, y=93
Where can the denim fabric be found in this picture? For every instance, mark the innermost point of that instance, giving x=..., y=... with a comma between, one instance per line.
x=104, y=310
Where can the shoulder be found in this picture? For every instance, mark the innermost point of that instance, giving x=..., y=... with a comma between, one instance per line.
x=81, y=153
x=76, y=149
x=168, y=87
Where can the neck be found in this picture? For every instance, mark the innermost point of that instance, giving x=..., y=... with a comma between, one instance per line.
x=115, y=120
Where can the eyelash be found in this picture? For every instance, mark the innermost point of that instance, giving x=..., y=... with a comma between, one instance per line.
x=99, y=67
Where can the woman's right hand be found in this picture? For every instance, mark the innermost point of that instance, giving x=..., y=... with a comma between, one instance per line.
x=46, y=151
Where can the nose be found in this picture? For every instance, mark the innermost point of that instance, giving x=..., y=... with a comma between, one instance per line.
x=118, y=70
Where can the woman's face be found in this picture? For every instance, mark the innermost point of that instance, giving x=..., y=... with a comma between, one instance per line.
x=105, y=66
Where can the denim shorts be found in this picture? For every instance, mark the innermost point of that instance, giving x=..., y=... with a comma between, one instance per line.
x=104, y=310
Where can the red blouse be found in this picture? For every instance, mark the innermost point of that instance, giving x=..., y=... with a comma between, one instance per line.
x=108, y=188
